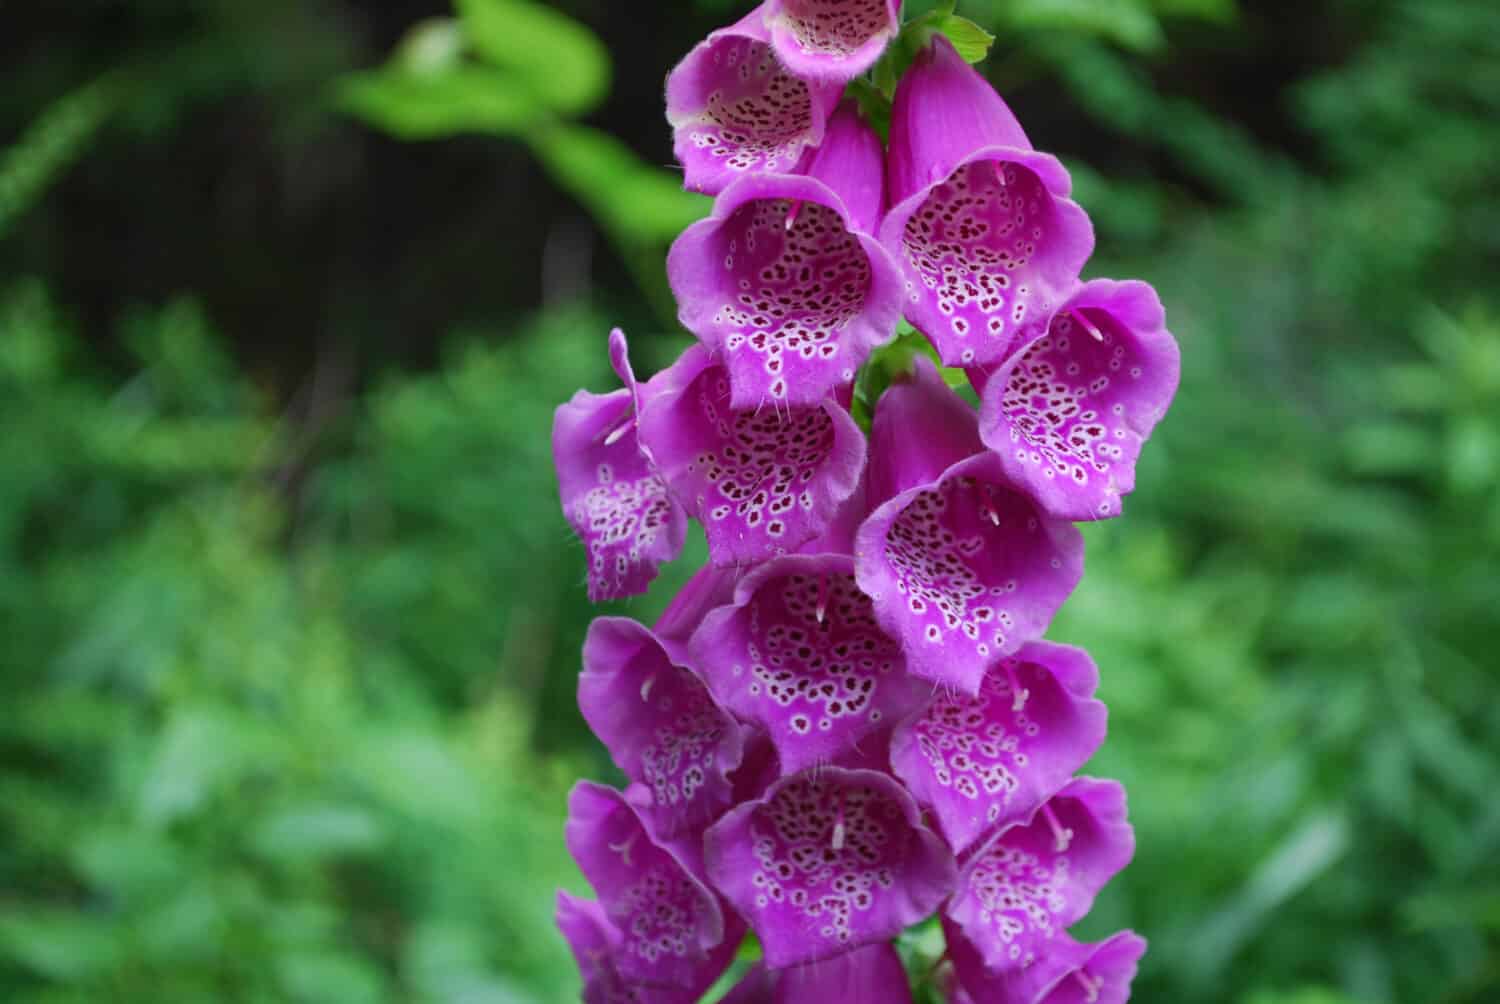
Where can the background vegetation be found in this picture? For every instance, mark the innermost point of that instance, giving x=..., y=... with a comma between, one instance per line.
x=289, y=289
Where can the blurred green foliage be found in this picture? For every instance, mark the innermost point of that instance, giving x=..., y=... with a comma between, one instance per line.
x=290, y=711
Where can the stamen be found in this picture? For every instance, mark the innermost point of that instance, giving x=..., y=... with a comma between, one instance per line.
x=838, y=826
x=623, y=848
x=991, y=514
x=646, y=687
x=821, y=610
x=1020, y=693
x=791, y=214
x=618, y=432
x=1095, y=332
x=1091, y=986
x=999, y=172
x=1061, y=835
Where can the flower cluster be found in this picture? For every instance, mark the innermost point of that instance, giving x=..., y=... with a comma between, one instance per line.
x=848, y=720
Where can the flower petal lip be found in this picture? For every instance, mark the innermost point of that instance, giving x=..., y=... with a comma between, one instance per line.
x=763, y=482
x=799, y=655
x=873, y=974
x=736, y=110
x=659, y=723
x=1032, y=880
x=670, y=922
x=981, y=763
x=831, y=39
x=595, y=942
x=789, y=333
x=826, y=861
x=981, y=223
x=1070, y=410
x=611, y=497
x=1108, y=966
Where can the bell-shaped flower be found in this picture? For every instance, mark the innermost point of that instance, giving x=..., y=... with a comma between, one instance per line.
x=800, y=655
x=673, y=931
x=612, y=498
x=710, y=586
x=785, y=282
x=827, y=861
x=985, y=761
x=659, y=723
x=1023, y=888
x=595, y=942
x=736, y=110
x=960, y=564
x=831, y=39
x=869, y=975
x=1073, y=972
x=763, y=481
x=980, y=221
x=1069, y=411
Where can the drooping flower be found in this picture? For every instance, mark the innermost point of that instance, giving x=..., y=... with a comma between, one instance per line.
x=612, y=498
x=673, y=931
x=985, y=761
x=831, y=39
x=736, y=110
x=1020, y=891
x=762, y=481
x=1068, y=412
x=980, y=221
x=785, y=282
x=960, y=563
x=596, y=942
x=799, y=654
x=1072, y=973
x=869, y=975
x=827, y=861
x=659, y=723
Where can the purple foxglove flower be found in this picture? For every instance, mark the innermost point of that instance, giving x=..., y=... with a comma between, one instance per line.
x=827, y=861
x=736, y=110
x=1069, y=411
x=763, y=481
x=1072, y=973
x=831, y=39
x=596, y=944
x=784, y=281
x=869, y=975
x=659, y=723
x=799, y=654
x=710, y=587
x=614, y=501
x=960, y=565
x=673, y=930
x=980, y=221
x=1020, y=891
x=982, y=762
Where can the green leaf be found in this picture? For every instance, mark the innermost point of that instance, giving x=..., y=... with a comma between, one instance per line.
x=970, y=40
x=554, y=57
x=634, y=200
x=429, y=105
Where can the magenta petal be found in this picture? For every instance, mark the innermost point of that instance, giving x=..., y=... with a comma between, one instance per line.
x=672, y=928
x=851, y=161
x=831, y=39
x=869, y=975
x=1019, y=892
x=965, y=570
x=595, y=943
x=659, y=723
x=785, y=289
x=736, y=110
x=763, y=482
x=921, y=429
x=981, y=224
x=1071, y=973
x=827, y=861
x=1068, y=413
x=710, y=587
x=800, y=655
x=982, y=762
x=611, y=497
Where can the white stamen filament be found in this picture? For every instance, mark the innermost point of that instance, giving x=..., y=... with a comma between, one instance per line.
x=990, y=514
x=821, y=610
x=618, y=432
x=1095, y=332
x=791, y=214
x=1061, y=835
x=1018, y=692
x=646, y=687
x=1091, y=987
x=623, y=848
x=838, y=835
x=999, y=172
